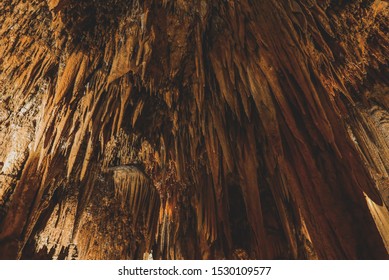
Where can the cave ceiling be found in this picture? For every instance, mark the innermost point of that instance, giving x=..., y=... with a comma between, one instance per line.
x=194, y=129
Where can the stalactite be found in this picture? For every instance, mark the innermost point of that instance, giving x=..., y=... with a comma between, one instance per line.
x=139, y=117
x=135, y=191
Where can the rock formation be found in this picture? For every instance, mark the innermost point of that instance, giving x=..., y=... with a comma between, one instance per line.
x=194, y=129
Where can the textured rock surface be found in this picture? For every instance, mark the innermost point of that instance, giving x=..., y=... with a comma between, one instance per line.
x=195, y=129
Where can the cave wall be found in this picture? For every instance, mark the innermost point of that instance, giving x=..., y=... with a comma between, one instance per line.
x=195, y=129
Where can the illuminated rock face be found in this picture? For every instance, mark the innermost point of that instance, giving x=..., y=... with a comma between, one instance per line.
x=194, y=129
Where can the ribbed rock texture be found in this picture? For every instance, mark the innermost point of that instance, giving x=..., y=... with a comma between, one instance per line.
x=194, y=129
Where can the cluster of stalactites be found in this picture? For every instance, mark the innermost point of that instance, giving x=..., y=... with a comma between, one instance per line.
x=134, y=191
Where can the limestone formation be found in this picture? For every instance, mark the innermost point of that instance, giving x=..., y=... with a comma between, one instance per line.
x=194, y=129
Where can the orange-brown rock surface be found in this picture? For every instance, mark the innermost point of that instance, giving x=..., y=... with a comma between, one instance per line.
x=194, y=129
